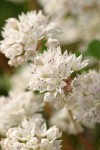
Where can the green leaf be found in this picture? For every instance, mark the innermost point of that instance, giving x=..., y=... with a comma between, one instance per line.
x=93, y=49
x=4, y=83
x=43, y=47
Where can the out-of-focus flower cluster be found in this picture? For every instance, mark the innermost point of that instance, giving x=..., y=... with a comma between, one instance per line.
x=85, y=97
x=64, y=121
x=73, y=16
x=24, y=75
x=16, y=107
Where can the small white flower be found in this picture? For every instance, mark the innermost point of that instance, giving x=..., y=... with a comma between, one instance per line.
x=53, y=133
x=51, y=71
x=78, y=63
x=52, y=42
x=27, y=137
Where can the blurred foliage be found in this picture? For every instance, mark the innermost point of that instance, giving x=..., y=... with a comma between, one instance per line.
x=93, y=49
x=4, y=83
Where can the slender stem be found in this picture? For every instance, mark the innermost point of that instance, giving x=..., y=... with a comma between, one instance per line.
x=85, y=141
x=81, y=136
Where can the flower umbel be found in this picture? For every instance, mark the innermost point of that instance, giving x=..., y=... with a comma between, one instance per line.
x=51, y=71
x=22, y=36
x=32, y=135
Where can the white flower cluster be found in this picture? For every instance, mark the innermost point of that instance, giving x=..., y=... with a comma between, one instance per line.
x=73, y=16
x=32, y=135
x=51, y=74
x=23, y=37
x=86, y=97
x=16, y=106
x=63, y=120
